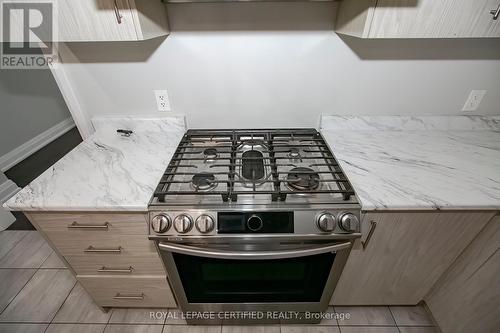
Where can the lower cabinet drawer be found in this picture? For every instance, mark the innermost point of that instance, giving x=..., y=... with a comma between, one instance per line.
x=103, y=245
x=107, y=264
x=90, y=224
x=129, y=291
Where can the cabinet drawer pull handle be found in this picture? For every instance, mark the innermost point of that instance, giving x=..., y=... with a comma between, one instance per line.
x=105, y=269
x=130, y=296
x=373, y=225
x=76, y=225
x=117, y=13
x=103, y=250
x=495, y=12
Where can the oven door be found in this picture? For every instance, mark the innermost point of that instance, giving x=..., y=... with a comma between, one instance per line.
x=294, y=275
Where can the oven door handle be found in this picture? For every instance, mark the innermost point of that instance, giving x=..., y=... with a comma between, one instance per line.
x=252, y=255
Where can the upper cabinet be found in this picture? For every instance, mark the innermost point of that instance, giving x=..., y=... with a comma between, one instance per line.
x=111, y=20
x=107, y=20
x=419, y=18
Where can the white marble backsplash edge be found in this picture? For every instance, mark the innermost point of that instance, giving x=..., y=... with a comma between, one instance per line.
x=410, y=123
x=170, y=123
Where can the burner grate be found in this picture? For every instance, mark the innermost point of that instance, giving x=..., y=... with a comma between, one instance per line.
x=243, y=173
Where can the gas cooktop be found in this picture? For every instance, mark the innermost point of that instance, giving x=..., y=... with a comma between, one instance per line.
x=250, y=168
x=254, y=200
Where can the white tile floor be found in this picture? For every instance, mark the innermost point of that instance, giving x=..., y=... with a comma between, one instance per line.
x=37, y=294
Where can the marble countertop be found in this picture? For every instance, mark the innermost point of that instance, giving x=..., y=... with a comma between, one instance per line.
x=393, y=163
x=107, y=171
x=419, y=163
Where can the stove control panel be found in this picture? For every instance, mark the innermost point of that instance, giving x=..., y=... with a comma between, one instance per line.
x=161, y=223
x=255, y=222
x=326, y=222
x=205, y=223
x=183, y=223
x=171, y=223
x=348, y=222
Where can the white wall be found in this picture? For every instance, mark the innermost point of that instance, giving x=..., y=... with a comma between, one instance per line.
x=279, y=65
x=30, y=104
x=31, y=107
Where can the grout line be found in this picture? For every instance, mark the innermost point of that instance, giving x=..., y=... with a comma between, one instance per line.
x=31, y=277
x=65, y=299
x=43, y=262
x=13, y=245
x=104, y=327
x=79, y=323
x=37, y=268
x=23, y=322
x=126, y=324
x=336, y=317
x=371, y=325
x=394, y=318
x=110, y=314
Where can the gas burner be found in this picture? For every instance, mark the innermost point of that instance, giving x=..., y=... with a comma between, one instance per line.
x=210, y=153
x=204, y=181
x=260, y=167
x=252, y=144
x=294, y=153
x=302, y=179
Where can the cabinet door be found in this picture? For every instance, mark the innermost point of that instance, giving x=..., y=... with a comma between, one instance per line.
x=95, y=20
x=405, y=256
x=434, y=19
x=474, y=281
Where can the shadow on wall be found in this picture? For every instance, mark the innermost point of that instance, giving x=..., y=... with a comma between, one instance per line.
x=111, y=52
x=213, y=17
x=285, y=17
x=252, y=16
x=424, y=49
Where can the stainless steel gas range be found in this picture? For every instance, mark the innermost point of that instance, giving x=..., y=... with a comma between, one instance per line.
x=253, y=221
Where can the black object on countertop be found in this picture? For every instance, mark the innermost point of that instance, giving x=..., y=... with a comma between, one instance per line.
x=124, y=132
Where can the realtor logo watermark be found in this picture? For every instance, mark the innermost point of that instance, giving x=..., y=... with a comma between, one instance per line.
x=28, y=31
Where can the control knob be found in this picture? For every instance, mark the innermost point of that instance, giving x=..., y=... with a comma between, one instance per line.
x=205, y=223
x=326, y=222
x=255, y=223
x=349, y=222
x=183, y=223
x=160, y=223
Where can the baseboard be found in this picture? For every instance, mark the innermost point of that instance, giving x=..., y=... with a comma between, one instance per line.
x=6, y=219
x=7, y=189
x=20, y=153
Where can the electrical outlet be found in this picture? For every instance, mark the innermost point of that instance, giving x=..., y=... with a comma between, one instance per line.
x=162, y=101
x=475, y=98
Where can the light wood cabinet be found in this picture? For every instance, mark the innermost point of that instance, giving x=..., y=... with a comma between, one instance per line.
x=418, y=18
x=405, y=255
x=111, y=256
x=130, y=292
x=88, y=225
x=107, y=20
x=470, y=289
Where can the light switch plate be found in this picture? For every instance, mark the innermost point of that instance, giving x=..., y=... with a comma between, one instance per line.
x=474, y=99
x=162, y=100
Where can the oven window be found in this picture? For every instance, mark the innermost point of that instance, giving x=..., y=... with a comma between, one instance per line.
x=207, y=280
